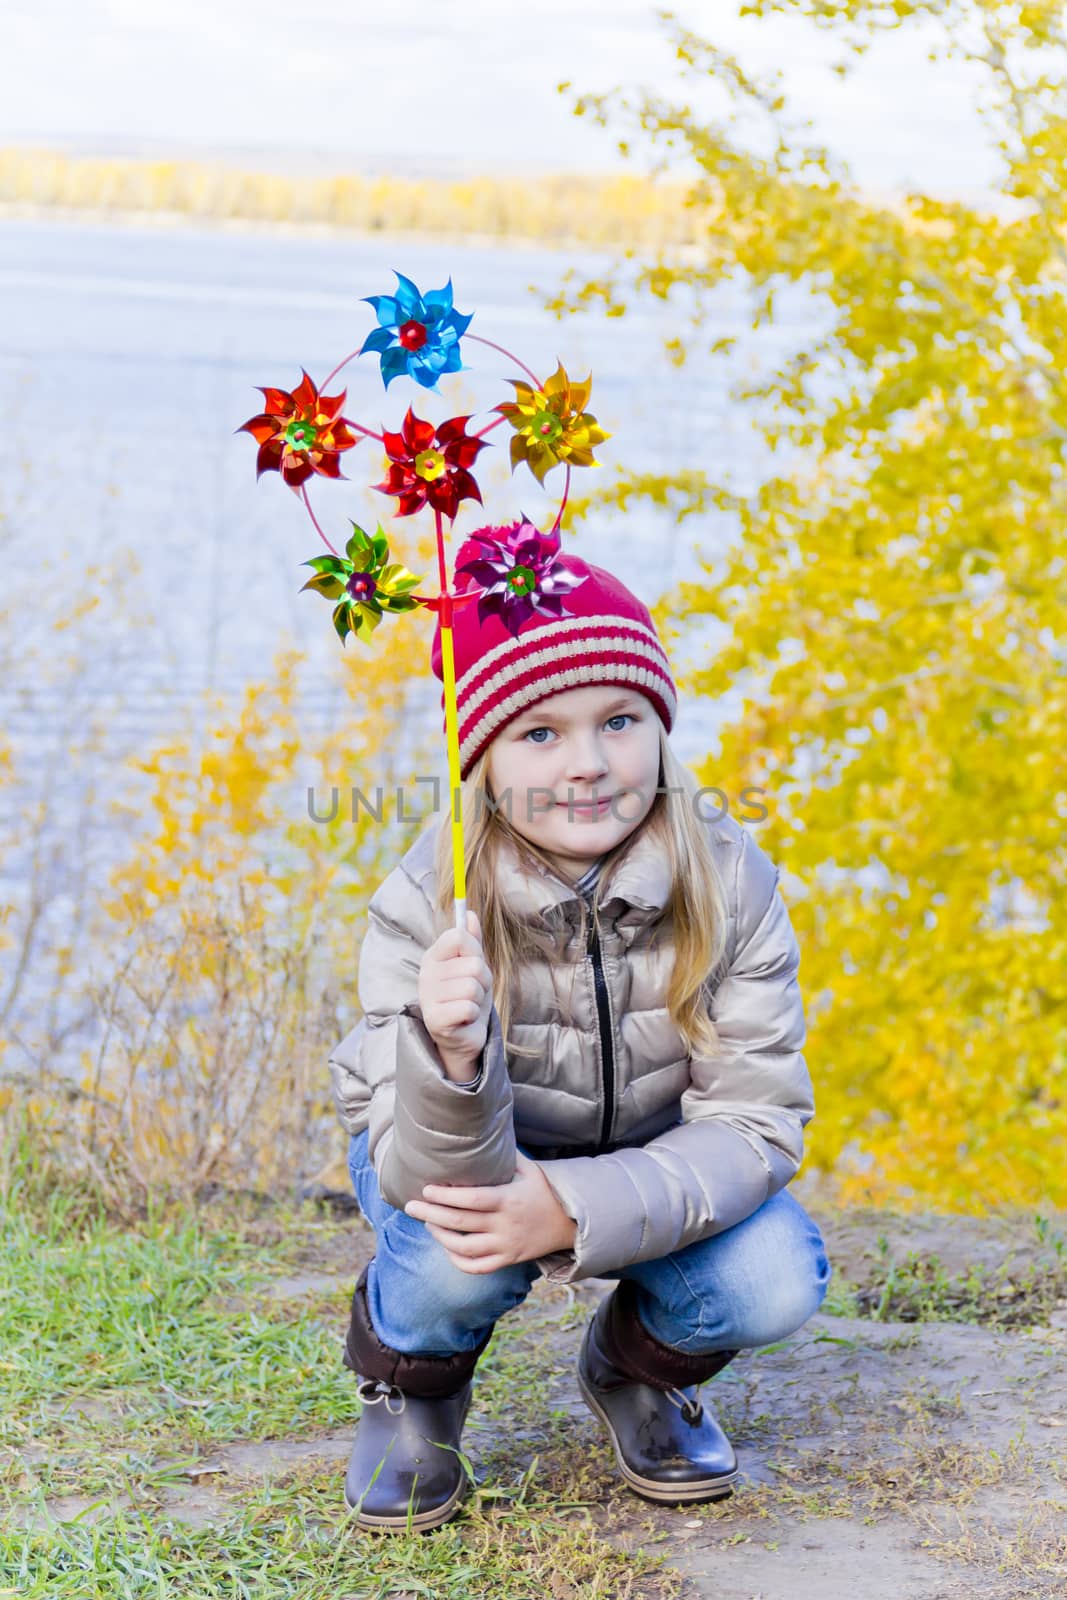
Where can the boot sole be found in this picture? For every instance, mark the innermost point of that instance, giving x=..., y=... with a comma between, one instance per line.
x=432, y=1517
x=719, y=1488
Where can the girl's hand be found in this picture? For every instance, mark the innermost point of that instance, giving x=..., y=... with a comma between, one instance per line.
x=483, y=1229
x=456, y=997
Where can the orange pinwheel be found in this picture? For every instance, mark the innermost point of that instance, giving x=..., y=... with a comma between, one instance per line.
x=300, y=434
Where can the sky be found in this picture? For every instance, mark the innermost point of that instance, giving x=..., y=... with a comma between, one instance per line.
x=457, y=86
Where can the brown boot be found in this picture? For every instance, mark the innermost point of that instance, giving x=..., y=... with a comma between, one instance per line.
x=669, y=1447
x=405, y=1471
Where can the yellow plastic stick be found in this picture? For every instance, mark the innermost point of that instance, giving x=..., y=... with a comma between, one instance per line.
x=454, y=780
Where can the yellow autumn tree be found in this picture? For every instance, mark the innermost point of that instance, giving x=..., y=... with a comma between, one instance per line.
x=214, y=966
x=894, y=593
x=235, y=920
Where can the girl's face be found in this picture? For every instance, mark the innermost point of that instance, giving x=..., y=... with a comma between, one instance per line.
x=596, y=743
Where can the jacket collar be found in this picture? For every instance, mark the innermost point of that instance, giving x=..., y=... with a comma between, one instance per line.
x=640, y=880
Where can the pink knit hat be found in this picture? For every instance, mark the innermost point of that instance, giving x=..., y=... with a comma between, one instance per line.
x=606, y=636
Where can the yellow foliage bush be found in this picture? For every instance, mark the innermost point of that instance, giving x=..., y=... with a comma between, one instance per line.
x=893, y=604
x=220, y=960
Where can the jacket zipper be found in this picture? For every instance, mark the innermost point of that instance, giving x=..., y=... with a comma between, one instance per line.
x=607, y=1048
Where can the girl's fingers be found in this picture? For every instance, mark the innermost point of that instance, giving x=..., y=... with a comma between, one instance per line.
x=461, y=988
x=486, y=1264
x=453, y=943
x=469, y=1246
x=456, y=1014
x=464, y=967
x=446, y=1216
x=443, y=1216
x=458, y=1007
x=469, y=1197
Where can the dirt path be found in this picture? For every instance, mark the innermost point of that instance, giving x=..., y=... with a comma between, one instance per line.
x=881, y=1460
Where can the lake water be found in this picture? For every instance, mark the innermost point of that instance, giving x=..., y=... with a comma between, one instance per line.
x=128, y=357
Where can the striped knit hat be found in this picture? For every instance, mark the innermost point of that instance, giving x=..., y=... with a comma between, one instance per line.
x=607, y=637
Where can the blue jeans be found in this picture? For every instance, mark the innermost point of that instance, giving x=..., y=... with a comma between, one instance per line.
x=750, y=1285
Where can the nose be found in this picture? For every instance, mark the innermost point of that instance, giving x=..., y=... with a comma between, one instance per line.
x=586, y=761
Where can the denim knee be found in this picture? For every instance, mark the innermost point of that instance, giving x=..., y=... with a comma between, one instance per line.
x=794, y=1280
x=796, y=1297
x=420, y=1302
x=751, y=1285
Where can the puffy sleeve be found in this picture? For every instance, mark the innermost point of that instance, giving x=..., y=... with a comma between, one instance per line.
x=387, y=1075
x=741, y=1135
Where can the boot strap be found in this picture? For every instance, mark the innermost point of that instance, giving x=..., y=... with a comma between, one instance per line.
x=631, y=1348
x=688, y=1405
x=372, y=1391
x=430, y=1377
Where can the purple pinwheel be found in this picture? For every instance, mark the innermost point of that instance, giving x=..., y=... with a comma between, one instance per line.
x=417, y=333
x=520, y=574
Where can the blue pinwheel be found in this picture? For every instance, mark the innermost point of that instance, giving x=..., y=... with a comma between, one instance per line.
x=417, y=334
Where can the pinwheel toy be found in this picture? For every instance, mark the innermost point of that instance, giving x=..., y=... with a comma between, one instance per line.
x=302, y=435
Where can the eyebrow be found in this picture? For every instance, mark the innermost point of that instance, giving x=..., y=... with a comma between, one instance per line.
x=537, y=715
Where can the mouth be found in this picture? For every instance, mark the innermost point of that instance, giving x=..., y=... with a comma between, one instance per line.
x=587, y=808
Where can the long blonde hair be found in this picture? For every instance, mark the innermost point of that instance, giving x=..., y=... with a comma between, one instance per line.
x=696, y=907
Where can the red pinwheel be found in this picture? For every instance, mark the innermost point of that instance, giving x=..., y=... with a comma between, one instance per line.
x=429, y=465
x=300, y=433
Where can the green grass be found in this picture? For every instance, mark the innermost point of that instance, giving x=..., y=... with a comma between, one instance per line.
x=919, y=1289
x=289, y=1539
x=129, y=1354
x=91, y=1312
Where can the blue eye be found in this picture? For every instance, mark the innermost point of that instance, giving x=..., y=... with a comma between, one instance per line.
x=620, y=716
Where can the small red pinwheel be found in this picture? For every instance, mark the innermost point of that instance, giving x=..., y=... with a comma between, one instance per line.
x=300, y=433
x=429, y=465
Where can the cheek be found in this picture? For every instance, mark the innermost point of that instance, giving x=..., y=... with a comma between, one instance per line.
x=512, y=782
x=505, y=772
x=640, y=765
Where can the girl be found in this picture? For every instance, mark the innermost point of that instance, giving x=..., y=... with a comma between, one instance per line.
x=602, y=1077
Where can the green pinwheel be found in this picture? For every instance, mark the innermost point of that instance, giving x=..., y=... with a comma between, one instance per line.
x=364, y=584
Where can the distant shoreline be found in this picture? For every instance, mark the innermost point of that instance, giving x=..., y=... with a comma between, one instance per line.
x=559, y=212
x=19, y=211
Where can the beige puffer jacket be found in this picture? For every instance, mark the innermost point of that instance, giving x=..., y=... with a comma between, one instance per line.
x=647, y=1148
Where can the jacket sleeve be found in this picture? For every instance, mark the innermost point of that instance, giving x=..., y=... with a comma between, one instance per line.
x=387, y=1074
x=741, y=1135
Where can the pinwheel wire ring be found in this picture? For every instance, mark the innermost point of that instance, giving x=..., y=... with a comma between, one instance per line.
x=302, y=434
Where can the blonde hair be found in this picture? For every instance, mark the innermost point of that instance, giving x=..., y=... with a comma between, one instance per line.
x=696, y=907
